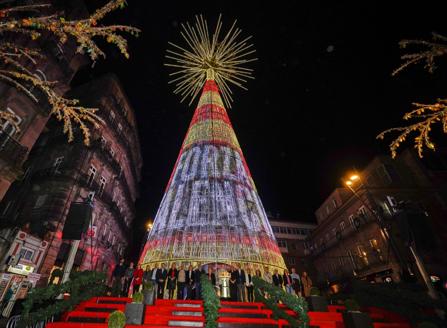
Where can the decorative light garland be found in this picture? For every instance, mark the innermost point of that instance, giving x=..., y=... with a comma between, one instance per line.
x=427, y=114
x=13, y=57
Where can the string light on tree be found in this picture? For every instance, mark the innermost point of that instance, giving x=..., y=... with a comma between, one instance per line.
x=15, y=59
x=426, y=115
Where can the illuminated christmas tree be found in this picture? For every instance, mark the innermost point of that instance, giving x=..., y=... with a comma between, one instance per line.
x=211, y=211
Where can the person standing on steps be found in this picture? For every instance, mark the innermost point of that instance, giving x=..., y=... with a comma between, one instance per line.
x=128, y=276
x=189, y=279
x=162, y=274
x=172, y=280
x=181, y=283
x=233, y=285
x=296, y=282
x=153, y=278
x=288, y=282
x=249, y=285
x=267, y=276
x=240, y=281
x=197, y=284
x=277, y=279
x=117, y=278
x=307, y=284
x=137, y=279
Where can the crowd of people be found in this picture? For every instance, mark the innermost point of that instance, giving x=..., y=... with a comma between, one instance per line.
x=184, y=282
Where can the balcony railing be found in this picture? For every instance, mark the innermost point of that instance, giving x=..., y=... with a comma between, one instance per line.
x=11, y=151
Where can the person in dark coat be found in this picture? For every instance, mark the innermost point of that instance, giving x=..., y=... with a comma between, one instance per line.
x=189, y=281
x=118, y=277
x=172, y=280
x=211, y=276
x=233, y=285
x=162, y=274
x=240, y=282
x=197, y=285
x=277, y=279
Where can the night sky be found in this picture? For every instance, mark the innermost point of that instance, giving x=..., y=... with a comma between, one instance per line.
x=323, y=91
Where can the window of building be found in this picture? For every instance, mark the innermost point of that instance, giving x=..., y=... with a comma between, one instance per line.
x=26, y=254
x=112, y=113
x=112, y=152
x=328, y=211
x=291, y=260
x=342, y=225
x=282, y=230
x=104, y=232
x=351, y=220
x=40, y=201
x=91, y=174
x=91, y=196
x=361, y=250
x=57, y=163
x=10, y=126
x=334, y=203
x=6, y=208
x=384, y=175
x=275, y=229
x=102, y=185
x=374, y=244
x=289, y=231
x=362, y=212
x=120, y=127
x=282, y=243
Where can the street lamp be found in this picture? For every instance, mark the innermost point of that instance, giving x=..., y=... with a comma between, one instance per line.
x=388, y=237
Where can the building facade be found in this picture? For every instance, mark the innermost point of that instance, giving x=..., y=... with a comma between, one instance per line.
x=59, y=63
x=59, y=174
x=358, y=234
x=291, y=237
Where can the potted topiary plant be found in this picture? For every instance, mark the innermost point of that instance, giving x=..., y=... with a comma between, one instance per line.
x=117, y=319
x=135, y=310
x=316, y=302
x=148, y=292
x=353, y=318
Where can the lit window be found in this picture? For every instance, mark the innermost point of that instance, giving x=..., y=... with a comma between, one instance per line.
x=327, y=210
x=26, y=254
x=342, y=225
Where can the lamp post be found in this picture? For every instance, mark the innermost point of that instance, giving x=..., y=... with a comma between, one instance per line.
x=148, y=226
x=350, y=183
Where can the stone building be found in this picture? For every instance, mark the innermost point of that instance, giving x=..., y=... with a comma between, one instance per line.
x=59, y=174
x=291, y=237
x=60, y=63
x=353, y=223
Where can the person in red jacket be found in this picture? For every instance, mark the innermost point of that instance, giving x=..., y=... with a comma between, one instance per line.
x=137, y=278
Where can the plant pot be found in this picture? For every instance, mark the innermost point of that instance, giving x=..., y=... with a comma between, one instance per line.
x=148, y=297
x=357, y=320
x=134, y=313
x=317, y=303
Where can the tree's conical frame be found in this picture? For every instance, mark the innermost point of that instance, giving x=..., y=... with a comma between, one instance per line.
x=211, y=211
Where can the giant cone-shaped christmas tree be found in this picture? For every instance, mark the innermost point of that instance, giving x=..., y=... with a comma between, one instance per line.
x=211, y=211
